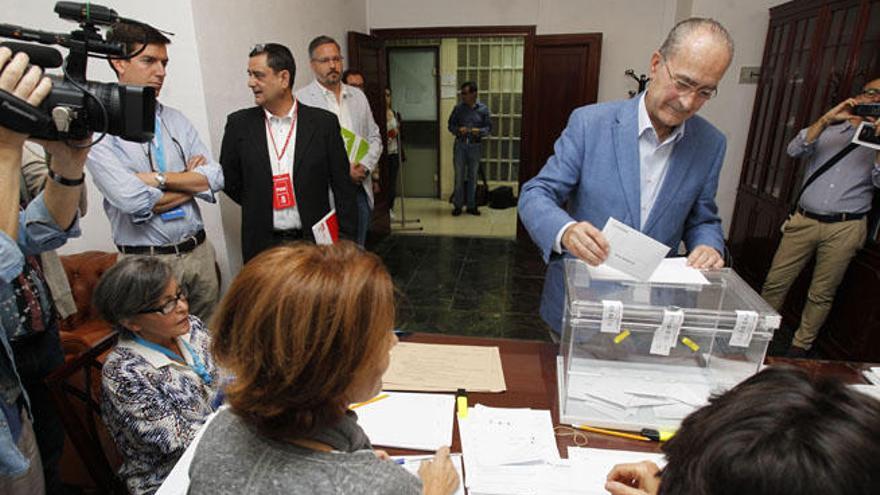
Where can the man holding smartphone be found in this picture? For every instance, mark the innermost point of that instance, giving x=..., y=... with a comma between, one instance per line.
x=830, y=219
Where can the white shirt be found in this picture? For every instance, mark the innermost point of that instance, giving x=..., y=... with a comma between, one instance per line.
x=653, y=164
x=653, y=160
x=278, y=129
x=353, y=111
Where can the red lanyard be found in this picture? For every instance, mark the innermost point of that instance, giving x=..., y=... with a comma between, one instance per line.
x=279, y=156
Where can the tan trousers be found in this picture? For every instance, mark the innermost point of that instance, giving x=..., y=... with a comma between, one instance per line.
x=834, y=245
x=195, y=272
x=31, y=481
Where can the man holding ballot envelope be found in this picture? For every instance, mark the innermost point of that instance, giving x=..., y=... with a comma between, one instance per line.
x=647, y=162
x=361, y=135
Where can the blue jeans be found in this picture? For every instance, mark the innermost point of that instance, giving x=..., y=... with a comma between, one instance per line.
x=466, y=157
x=364, y=215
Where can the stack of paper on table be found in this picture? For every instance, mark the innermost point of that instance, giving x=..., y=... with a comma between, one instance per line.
x=408, y=421
x=513, y=451
x=444, y=368
x=872, y=374
x=412, y=463
x=868, y=389
x=595, y=464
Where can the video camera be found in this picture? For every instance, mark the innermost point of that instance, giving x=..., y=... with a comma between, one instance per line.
x=76, y=107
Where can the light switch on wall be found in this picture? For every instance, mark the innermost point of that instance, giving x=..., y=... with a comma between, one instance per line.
x=749, y=75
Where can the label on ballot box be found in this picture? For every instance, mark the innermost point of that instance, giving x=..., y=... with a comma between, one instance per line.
x=746, y=321
x=612, y=315
x=666, y=335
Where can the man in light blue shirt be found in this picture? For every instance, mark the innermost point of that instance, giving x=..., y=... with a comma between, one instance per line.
x=150, y=188
x=831, y=217
x=470, y=123
x=45, y=224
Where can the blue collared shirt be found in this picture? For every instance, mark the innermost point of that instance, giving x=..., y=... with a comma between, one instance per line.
x=465, y=116
x=37, y=232
x=129, y=202
x=848, y=186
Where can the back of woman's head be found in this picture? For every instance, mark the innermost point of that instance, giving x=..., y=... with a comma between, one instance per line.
x=295, y=326
x=130, y=286
x=779, y=432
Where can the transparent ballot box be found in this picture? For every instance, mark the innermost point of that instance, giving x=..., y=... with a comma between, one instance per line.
x=639, y=355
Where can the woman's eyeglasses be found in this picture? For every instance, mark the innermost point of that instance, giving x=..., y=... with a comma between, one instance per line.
x=170, y=305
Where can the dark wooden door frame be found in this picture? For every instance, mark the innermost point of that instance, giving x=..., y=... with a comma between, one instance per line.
x=436, y=50
x=526, y=32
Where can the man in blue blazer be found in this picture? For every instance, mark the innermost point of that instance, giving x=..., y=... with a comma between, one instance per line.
x=649, y=162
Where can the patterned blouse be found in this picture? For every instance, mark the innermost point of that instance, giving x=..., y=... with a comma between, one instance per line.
x=153, y=406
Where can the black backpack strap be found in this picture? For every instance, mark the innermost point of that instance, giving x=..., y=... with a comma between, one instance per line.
x=821, y=170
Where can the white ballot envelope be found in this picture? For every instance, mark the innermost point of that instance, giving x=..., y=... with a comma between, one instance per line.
x=631, y=251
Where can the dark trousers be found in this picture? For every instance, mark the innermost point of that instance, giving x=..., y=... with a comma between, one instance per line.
x=393, y=169
x=35, y=358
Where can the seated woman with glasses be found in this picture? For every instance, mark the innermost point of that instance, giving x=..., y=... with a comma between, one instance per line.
x=159, y=381
x=307, y=331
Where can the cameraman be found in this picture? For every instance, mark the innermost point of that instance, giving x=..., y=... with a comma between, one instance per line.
x=25, y=303
x=830, y=217
x=150, y=188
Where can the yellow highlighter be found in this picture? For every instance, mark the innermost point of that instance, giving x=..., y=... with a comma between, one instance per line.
x=621, y=336
x=461, y=403
x=690, y=343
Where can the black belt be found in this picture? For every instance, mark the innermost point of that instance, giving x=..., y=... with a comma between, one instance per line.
x=834, y=218
x=288, y=235
x=185, y=246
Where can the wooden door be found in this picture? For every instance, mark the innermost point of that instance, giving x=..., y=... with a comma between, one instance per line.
x=561, y=73
x=367, y=54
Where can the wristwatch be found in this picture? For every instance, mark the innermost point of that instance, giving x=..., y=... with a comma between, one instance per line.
x=160, y=178
x=64, y=181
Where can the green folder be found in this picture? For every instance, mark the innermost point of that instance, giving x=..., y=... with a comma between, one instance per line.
x=356, y=147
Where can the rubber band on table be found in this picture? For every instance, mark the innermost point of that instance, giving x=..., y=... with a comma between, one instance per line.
x=578, y=437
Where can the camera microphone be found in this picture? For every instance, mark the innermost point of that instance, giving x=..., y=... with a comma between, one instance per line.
x=43, y=56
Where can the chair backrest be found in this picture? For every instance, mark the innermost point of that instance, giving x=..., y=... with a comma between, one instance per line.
x=83, y=272
x=76, y=390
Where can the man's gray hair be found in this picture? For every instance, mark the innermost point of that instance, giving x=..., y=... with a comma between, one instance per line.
x=689, y=26
x=130, y=287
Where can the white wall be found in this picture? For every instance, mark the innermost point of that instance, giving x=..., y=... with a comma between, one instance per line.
x=631, y=31
x=731, y=110
x=227, y=29
x=183, y=89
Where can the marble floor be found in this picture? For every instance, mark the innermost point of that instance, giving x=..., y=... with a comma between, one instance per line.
x=435, y=218
x=466, y=286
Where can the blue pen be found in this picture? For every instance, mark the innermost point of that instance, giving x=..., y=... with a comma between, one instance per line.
x=400, y=462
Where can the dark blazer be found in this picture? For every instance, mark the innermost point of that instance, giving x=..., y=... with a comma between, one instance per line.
x=319, y=165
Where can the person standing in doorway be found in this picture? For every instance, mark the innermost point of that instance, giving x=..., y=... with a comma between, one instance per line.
x=469, y=122
x=393, y=147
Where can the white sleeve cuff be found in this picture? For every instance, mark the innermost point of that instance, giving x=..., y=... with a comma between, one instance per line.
x=557, y=244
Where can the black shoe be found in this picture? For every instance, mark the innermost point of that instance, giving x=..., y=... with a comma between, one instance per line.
x=475, y=211
x=456, y=212
x=796, y=352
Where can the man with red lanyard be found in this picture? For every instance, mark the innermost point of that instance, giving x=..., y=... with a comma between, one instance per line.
x=280, y=159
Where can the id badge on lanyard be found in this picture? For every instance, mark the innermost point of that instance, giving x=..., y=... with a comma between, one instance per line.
x=282, y=192
x=283, y=196
x=175, y=213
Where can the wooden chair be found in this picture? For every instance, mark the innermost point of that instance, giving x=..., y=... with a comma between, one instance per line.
x=76, y=390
